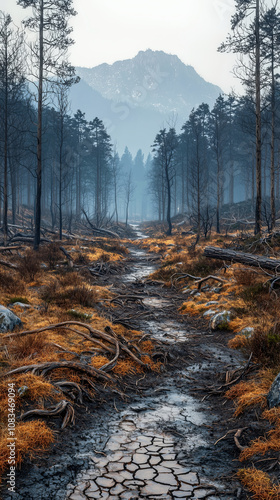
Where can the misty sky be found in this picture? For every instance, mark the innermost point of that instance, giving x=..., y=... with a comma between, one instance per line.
x=111, y=30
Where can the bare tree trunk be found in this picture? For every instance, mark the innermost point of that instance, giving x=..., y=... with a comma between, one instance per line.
x=258, y=124
x=39, y=132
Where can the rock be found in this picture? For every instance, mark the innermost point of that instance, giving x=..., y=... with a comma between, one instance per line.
x=20, y=304
x=210, y=312
x=221, y=320
x=8, y=320
x=273, y=397
x=212, y=303
x=248, y=331
x=196, y=293
x=216, y=289
x=23, y=390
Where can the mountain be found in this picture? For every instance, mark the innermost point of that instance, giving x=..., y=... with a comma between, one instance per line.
x=137, y=97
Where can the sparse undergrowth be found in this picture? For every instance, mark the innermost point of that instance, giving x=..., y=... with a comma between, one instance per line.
x=255, y=321
x=66, y=297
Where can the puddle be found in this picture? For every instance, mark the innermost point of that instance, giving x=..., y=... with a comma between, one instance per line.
x=139, y=234
x=169, y=331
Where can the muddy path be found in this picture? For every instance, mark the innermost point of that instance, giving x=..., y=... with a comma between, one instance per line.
x=158, y=443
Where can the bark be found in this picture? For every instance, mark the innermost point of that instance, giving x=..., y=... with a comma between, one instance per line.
x=243, y=258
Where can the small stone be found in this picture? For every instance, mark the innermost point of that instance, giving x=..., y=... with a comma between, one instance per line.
x=190, y=478
x=212, y=303
x=273, y=397
x=166, y=478
x=106, y=482
x=221, y=320
x=210, y=312
x=247, y=332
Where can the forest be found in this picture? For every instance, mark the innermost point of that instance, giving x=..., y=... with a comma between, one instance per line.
x=139, y=294
x=206, y=170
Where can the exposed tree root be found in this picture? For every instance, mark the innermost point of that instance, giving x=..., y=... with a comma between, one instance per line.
x=57, y=410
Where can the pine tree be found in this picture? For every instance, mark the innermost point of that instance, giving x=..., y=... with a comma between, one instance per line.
x=50, y=22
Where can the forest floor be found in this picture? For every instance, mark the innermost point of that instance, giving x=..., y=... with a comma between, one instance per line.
x=169, y=431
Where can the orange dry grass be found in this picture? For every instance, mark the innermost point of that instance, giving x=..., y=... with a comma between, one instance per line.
x=253, y=392
x=99, y=361
x=259, y=483
x=126, y=367
x=239, y=342
x=32, y=438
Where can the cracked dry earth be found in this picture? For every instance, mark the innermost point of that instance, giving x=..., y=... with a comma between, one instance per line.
x=159, y=444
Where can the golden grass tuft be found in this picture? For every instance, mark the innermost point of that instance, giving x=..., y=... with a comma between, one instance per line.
x=253, y=392
x=259, y=484
x=32, y=438
x=99, y=361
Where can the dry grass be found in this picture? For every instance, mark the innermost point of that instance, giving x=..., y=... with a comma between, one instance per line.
x=259, y=484
x=32, y=438
x=252, y=392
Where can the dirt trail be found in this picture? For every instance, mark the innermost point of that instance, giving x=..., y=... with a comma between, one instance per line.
x=159, y=444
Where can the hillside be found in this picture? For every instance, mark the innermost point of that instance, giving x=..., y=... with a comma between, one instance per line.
x=136, y=97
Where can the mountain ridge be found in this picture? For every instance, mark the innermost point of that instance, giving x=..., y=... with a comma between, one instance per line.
x=154, y=83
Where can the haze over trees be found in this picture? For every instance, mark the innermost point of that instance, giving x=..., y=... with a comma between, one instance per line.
x=61, y=167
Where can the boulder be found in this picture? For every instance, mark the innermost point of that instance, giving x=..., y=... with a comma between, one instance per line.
x=8, y=320
x=221, y=320
x=273, y=397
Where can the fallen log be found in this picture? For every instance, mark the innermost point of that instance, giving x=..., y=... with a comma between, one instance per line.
x=243, y=258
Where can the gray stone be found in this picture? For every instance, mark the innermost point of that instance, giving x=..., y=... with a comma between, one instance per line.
x=212, y=303
x=273, y=397
x=8, y=320
x=210, y=312
x=247, y=332
x=221, y=320
x=20, y=304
